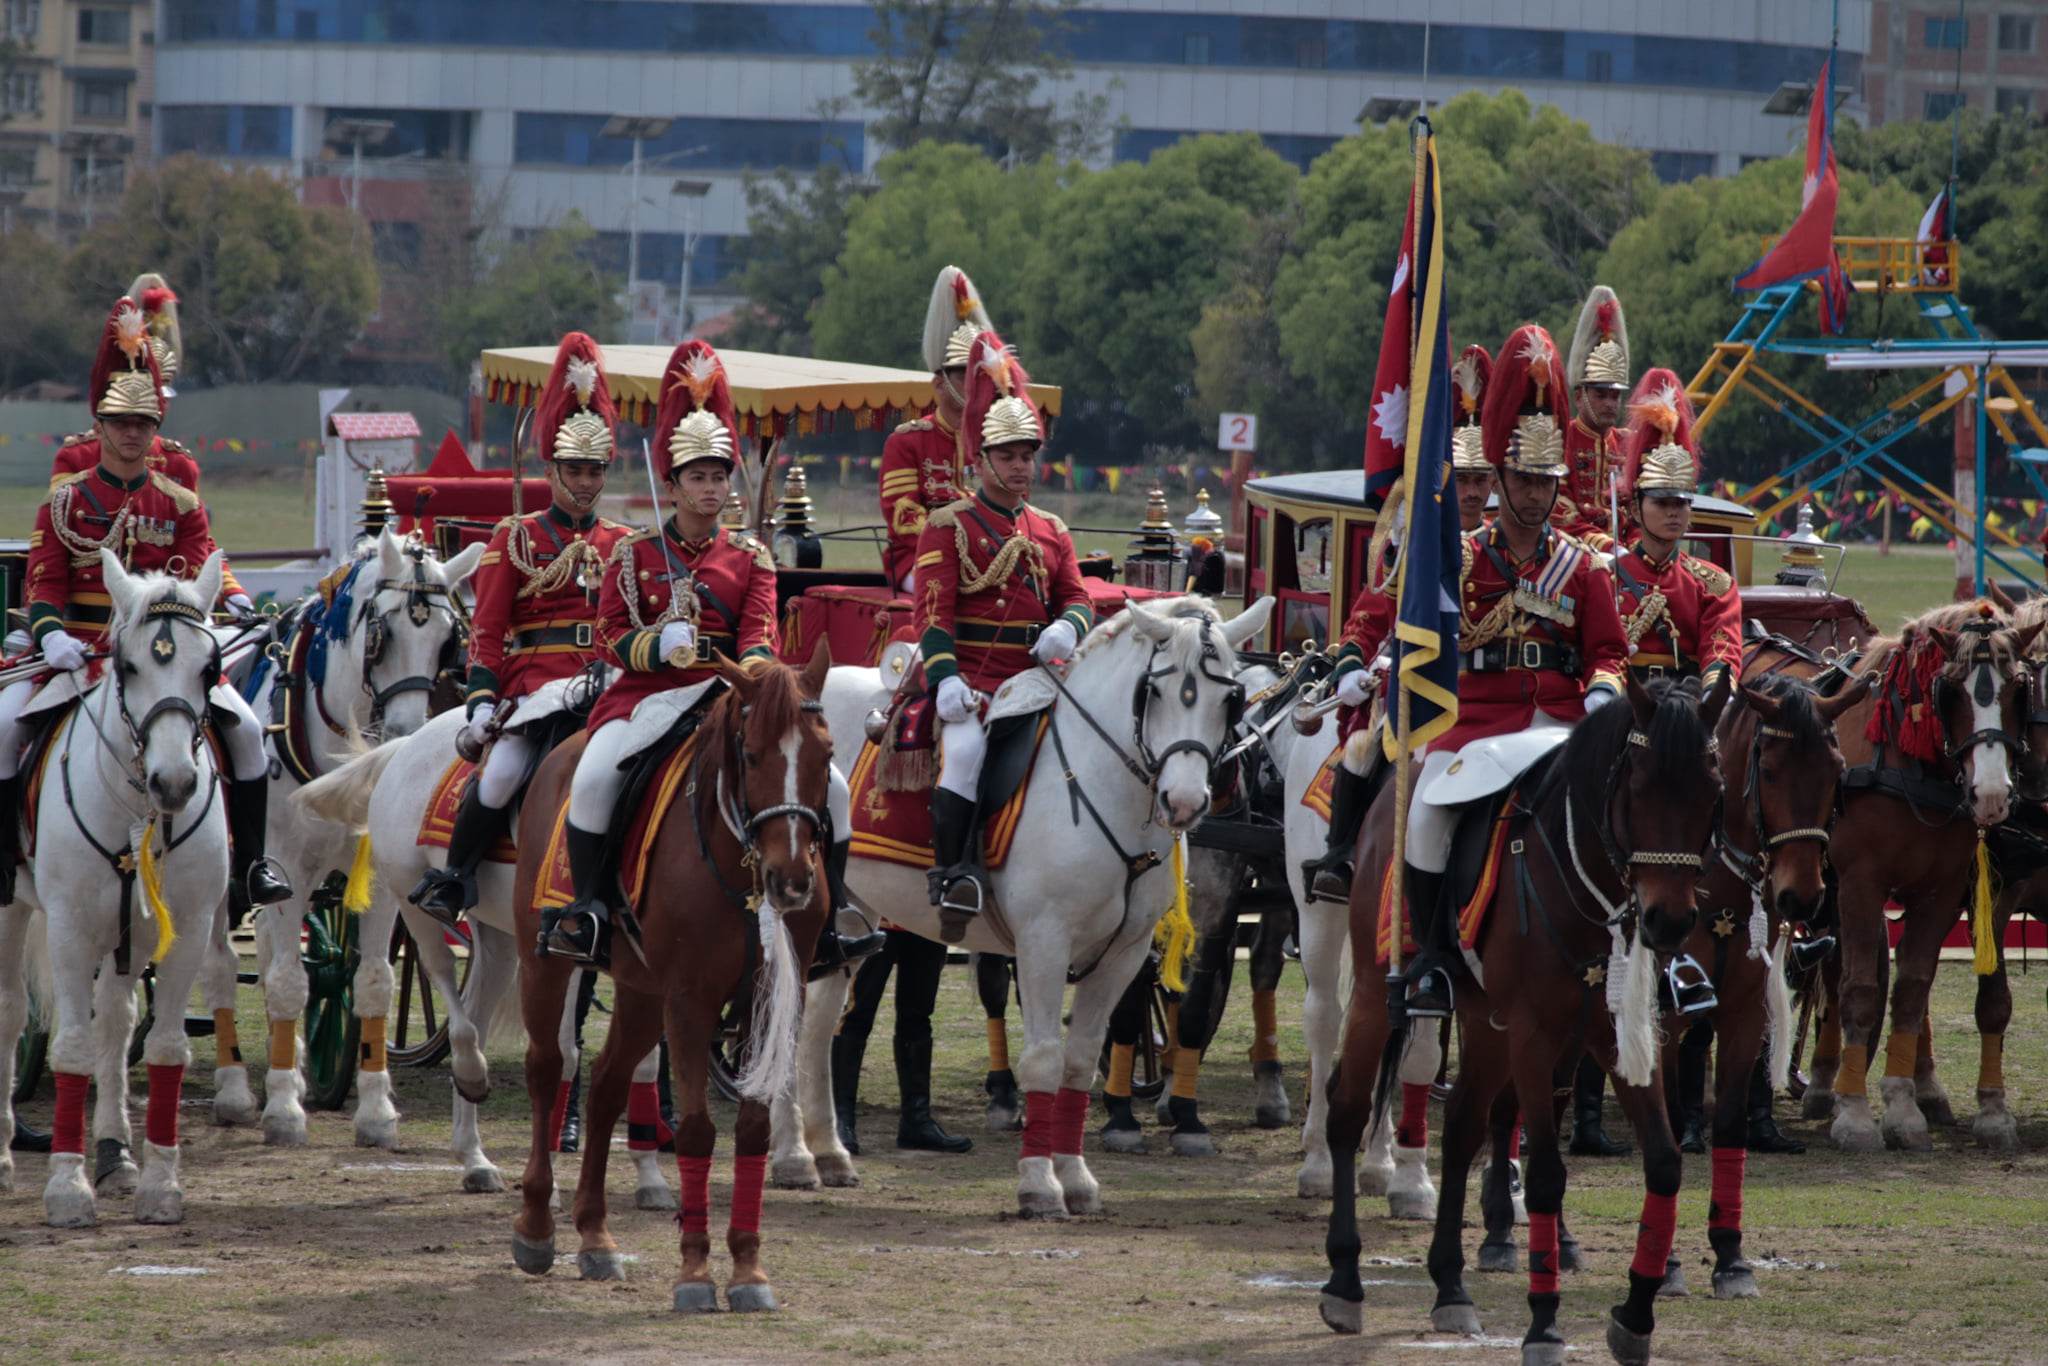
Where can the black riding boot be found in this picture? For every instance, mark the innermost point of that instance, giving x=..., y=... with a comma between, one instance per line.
x=1329, y=878
x=836, y=950
x=1692, y=1087
x=915, y=1127
x=1429, y=992
x=572, y=1113
x=10, y=835
x=846, y=1055
x=27, y=1140
x=1589, y=1138
x=582, y=930
x=258, y=876
x=445, y=893
x=955, y=889
x=1764, y=1134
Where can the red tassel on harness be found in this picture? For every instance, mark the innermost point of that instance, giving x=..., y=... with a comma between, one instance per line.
x=1905, y=715
x=1724, y=1203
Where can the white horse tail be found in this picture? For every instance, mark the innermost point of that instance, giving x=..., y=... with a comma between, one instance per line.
x=778, y=1008
x=1778, y=1010
x=343, y=796
x=507, y=1019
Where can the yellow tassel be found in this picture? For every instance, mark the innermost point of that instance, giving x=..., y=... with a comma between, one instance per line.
x=152, y=879
x=355, y=898
x=1175, y=937
x=1986, y=961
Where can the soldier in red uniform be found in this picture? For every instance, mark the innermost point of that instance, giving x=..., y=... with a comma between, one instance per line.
x=1361, y=665
x=536, y=612
x=998, y=588
x=1592, y=443
x=1539, y=641
x=922, y=469
x=153, y=523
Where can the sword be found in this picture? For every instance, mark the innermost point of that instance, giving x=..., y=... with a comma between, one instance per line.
x=681, y=658
x=472, y=750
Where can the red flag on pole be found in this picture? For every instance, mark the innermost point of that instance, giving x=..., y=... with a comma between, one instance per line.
x=1807, y=250
x=1386, y=431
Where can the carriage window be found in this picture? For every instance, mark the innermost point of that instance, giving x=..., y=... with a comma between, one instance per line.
x=1303, y=619
x=1312, y=555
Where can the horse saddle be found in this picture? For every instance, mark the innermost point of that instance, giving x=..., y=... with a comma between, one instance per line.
x=1486, y=766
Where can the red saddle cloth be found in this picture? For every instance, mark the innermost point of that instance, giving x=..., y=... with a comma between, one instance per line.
x=556, y=887
x=1317, y=797
x=896, y=826
x=437, y=826
x=1471, y=917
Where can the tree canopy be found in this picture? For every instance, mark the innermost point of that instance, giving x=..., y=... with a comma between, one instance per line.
x=531, y=292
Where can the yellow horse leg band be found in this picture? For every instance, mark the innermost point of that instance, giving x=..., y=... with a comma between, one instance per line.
x=373, y=1045
x=1855, y=1068
x=1265, y=1027
x=1187, y=1072
x=284, y=1045
x=1991, y=1062
x=1899, y=1051
x=1120, y=1057
x=227, y=1045
x=998, y=1045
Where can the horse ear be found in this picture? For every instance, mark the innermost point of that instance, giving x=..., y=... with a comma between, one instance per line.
x=1249, y=624
x=1639, y=699
x=1149, y=623
x=813, y=679
x=207, y=581
x=2001, y=598
x=1944, y=640
x=390, y=553
x=1762, y=703
x=735, y=676
x=463, y=563
x=2023, y=637
x=1831, y=707
x=120, y=584
x=1717, y=698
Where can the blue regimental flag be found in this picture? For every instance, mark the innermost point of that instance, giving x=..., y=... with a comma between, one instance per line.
x=1426, y=627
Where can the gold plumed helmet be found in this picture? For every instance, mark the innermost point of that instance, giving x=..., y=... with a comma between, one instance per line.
x=998, y=409
x=160, y=311
x=1663, y=455
x=575, y=414
x=952, y=320
x=1599, y=358
x=1520, y=414
x=126, y=381
x=695, y=419
x=1468, y=445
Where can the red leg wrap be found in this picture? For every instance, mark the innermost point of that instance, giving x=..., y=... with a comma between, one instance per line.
x=1515, y=1140
x=166, y=1083
x=559, y=1117
x=1069, y=1120
x=1542, y=1253
x=1653, y=1235
x=693, y=1200
x=1724, y=1203
x=1038, y=1123
x=68, y=1132
x=643, y=1117
x=748, y=1176
x=1413, y=1130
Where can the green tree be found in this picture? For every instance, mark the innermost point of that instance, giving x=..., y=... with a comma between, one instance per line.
x=971, y=71
x=531, y=292
x=48, y=335
x=796, y=229
x=268, y=288
x=933, y=206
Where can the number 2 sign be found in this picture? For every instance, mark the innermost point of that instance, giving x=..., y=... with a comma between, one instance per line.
x=1237, y=432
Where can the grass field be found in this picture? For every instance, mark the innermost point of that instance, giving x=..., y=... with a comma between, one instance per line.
x=332, y=1254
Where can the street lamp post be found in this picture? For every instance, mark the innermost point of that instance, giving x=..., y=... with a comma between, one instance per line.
x=638, y=129
x=357, y=134
x=693, y=193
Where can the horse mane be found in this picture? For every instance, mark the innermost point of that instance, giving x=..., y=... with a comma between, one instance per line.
x=1677, y=733
x=147, y=584
x=1911, y=662
x=1950, y=616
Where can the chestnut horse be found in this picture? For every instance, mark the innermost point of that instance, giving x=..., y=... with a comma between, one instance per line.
x=739, y=910
x=1954, y=688
x=1607, y=838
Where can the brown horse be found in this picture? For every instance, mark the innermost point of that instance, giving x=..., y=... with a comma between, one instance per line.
x=739, y=909
x=1950, y=714
x=1609, y=835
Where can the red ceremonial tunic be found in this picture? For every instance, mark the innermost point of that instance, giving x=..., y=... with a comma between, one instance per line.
x=920, y=474
x=1684, y=616
x=984, y=631
x=82, y=452
x=734, y=579
x=1582, y=508
x=152, y=523
x=536, y=602
x=1563, y=614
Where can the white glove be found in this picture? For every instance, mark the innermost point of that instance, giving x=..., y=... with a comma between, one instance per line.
x=909, y=581
x=1597, y=699
x=478, y=729
x=956, y=699
x=1055, y=643
x=240, y=604
x=676, y=636
x=1354, y=688
x=64, y=650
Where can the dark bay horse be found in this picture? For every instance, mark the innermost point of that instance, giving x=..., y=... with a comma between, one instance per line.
x=1612, y=833
x=1930, y=770
x=739, y=904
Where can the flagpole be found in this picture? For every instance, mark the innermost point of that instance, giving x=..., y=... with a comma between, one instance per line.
x=1397, y=912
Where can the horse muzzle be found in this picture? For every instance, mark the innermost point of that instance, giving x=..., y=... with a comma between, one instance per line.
x=1666, y=928
x=171, y=788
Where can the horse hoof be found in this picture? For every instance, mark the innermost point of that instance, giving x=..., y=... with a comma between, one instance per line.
x=475, y=1092
x=1738, y=1282
x=483, y=1181
x=1193, y=1145
x=115, y=1175
x=793, y=1173
x=1997, y=1132
x=1042, y=1205
x=1628, y=1347
x=1123, y=1140
x=1543, y=1353
x=1004, y=1119
x=1817, y=1103
x=6, y=1171
x=1270, y=1117
x=284, y=1131
x=1936, y=1110
x=656, y=1197
x=1462, y=1319
x=751, y=1299
x=837, y=1172
x=1499, y=1257
x=1373, y=1178
x=1411, y=1204
x=163, y=1205
x=376, y=1133
x=1313, y=1185
x=535, y=1259
x=1343, y=1316
x=233, y=1102
x=67, y=1199
x=1083, y=1200
x=1853, y=1131
x=696, y=1297
x=1674, y=1286
x=1570, y=1256
x=601, y=1265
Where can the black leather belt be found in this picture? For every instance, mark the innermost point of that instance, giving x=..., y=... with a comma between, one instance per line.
x=540, y=637
x=729, y=646
x=1534, y=655
x=1022, y=635
x=87, y=614
x=1684, y=668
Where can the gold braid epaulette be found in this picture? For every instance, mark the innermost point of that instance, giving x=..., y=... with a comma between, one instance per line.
x=85, y=551
x=682, y=599
x=542, y=581
x=1017, y=546
x=1648, y=613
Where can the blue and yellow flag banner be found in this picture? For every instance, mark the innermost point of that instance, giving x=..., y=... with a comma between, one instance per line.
x=1426, y=588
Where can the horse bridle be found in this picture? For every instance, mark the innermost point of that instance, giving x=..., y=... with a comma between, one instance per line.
x=168, y=612
x=1753, y=868
x=419, y=607
x=745, y=825
x=1147, y=767
x=1625, y=864
x=1980, y=668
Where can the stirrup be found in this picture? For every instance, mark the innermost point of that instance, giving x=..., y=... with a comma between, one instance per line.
x=962, y=893
x=1685, y=989
x=1328, y=881
x=436, y=889
x=559, y=938
x=1429, y=996
x=273, y=872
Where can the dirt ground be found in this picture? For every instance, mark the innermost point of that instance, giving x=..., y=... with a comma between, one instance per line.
x=332, y=1253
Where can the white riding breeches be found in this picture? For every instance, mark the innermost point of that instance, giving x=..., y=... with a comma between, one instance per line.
x=1432, y=826
x=498, y=781
x=247, y=761
x=12, y=699
x=963, y=746
x=594, y=787
x=839, y=806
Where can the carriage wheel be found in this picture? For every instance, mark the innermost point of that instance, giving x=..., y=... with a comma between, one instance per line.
x=31, y=1053
x=333, y=1033
x=726, y=1059
x=418, y=1039
x=145, y=1014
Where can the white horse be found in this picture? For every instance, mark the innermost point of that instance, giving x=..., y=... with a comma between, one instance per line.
x=1157, y=680
x=129, y=827
x=380, y=659
x=385, y=792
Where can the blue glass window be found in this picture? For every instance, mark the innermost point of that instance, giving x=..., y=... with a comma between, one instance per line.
x=1672, y=167
x=718, y=256
x=691, y=144
x=439, y=134
x=1105, y=37
x=246, y=130
x=1947, y=33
